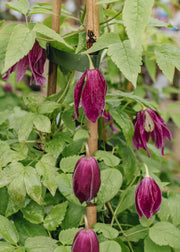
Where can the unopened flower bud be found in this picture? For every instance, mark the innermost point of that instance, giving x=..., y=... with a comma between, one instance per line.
x=147, y=197
x=85, y=241
x=86, y=179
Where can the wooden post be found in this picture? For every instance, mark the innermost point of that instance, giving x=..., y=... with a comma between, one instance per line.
x=92, y=33
x=52, y=79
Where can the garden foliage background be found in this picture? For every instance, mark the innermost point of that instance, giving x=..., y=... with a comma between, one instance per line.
x=40, y=143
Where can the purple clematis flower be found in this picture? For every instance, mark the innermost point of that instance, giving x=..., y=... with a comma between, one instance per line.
x=86, y=179
x=149, y=124
x=92, y=94
x=35, y=60
x=85, y=241
x=147, y=197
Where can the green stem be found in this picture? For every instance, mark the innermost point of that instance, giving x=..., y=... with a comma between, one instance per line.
x=119, y=225
x=124, y=194
x=66, y=88
x=91, y=66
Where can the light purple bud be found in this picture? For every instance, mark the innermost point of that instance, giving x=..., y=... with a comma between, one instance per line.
x=7, y=87
x=86, y=179
x=147, y=197
x=85, y=241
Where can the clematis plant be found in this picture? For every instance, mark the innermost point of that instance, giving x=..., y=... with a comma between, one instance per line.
x=149, y=124
x=91, y=92
x=35, y=60
x=147, y=197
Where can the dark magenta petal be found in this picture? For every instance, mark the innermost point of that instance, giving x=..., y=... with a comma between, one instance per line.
x=86, y=179
x=37, y=58
x=147, y=197
x=21, y=68
x=77, y=94
x=93, y=95
x=9, y=71
x=85, y=241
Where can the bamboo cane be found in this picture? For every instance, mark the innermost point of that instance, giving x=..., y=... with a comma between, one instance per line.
x=55, y=25
x=92, y=33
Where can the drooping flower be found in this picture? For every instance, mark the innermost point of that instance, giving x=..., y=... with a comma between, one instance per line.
x=86, y=179
x=85, y=241
x=147, y=197
x=149, y=124
x=35, y=60
x=92, y=94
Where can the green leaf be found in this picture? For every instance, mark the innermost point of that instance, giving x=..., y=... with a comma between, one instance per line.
x=40, y=244
x=10, y=172
x=127, y=59
x=109, y=246
x=176, y=119
x=56, y=145
x=157, y=22
x=42, y=123
x=47, y=107
x=44, y=30
x=63, y=249
x=17, y=190
x=108, y=158
x=128, y=200
x=7, y=155
x=33, y=213
x=164, y=212
x=129, y=162
x=64, y=182
x=55, y=216
x=167, y=57
x=26, y=126
x=81, y=134
x=33, y=184
x=111, y=181
x=123, y=120
x=151, y=67
x=47, y=169
x=27, y=229
x=20, y=249
x=136, y=16
x=66, y=237
x=150, y=246
x=4, y=40
x=174, y=208
x=67, y=164
x=73, y=216
x=104, y=41
x=8, y=230
x=165, y=233
x=4, y=198
x=40, y=10
x=106, y=229
x=6, y=247
x=20, y=43
x=21, y=6
x=136, y=233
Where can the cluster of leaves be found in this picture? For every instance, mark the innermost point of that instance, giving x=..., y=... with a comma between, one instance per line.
x=40, y=143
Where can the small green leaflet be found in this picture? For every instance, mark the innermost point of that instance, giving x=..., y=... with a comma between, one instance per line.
x=127, y=59
x=21, y=6
x=136, y=16
x=108, y=158
x=21, y=42
x=108, y=246
x=8, y=230
x=106, y=229
x=167, y=57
